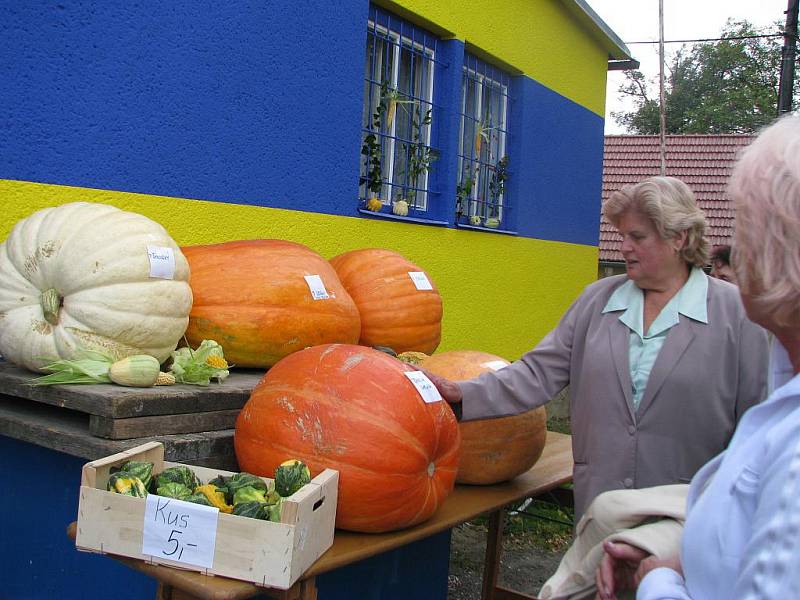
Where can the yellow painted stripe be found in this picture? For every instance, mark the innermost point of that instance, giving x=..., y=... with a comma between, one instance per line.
x=540, y=38
x=501, y=294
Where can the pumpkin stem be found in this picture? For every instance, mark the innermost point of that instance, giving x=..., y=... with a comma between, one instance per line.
x=51, y=304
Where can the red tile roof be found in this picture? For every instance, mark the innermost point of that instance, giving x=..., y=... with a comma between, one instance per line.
x=704, y=162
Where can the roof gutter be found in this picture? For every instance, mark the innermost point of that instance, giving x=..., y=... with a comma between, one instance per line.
x=619, y=57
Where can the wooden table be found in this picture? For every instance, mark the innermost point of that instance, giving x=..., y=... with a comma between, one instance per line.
x=195, y=423
x=466, y=502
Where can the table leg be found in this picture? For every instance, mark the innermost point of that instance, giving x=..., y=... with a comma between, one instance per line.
x=494, y=545
x=308, y=589
x=163, y=592
x=168, y=592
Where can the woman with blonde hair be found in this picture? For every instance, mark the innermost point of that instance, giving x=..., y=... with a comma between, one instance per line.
x=661, y=362
x=742, y=533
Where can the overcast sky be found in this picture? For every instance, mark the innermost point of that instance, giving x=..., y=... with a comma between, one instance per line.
x=637, y=20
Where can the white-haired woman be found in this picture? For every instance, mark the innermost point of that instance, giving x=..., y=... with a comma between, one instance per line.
x=661, y=362
x=742, y=533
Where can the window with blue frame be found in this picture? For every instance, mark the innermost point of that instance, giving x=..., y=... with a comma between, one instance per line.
x=482, y=157
x=397, y=151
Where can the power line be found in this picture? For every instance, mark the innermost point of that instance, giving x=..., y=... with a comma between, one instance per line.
x=719, y=39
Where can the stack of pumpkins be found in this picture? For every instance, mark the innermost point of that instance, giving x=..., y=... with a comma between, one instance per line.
x=81, y=276
x=339, y=403
x=327, y=400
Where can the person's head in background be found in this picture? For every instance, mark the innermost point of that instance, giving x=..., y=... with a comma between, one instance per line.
x=721, y=264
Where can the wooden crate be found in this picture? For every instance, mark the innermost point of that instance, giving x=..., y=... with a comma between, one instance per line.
x=266, y=553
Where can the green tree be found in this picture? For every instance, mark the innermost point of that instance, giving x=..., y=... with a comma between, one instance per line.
x=729, y=86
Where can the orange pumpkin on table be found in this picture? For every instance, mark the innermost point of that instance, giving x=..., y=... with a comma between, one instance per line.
x=492, y=450
x=352, y=409
x=394, y=311
x=253, y=298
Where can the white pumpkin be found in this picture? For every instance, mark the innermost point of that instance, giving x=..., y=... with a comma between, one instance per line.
x=78, y=276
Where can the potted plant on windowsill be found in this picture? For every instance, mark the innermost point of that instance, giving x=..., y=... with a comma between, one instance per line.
x=373, y=180
x=463, y=196
x=419, y=159
x=371, y=147
x=497, y=186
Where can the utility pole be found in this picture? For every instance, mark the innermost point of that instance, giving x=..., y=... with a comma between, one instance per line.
x=662, y=113
x=788, y=54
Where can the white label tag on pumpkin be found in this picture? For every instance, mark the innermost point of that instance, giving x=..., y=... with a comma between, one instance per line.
x=162, y=262
x=494, y=365
x=179, y=531
x=420, y=280
x=318, y=291
x=424, y=386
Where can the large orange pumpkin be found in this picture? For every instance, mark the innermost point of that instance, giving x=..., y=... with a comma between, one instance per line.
x=252, y=297
x=352, y=409
x=492, y=450
x=394, y=312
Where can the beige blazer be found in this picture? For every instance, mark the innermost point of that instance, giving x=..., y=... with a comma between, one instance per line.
x=705, y=377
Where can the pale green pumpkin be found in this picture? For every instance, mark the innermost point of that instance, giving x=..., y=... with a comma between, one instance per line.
x=79, y=277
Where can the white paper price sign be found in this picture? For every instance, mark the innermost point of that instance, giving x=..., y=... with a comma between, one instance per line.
x=318, y=291
x=424, y=386
x=162, y=262
x=420, y=280
x=495, y=365
x=180, y=531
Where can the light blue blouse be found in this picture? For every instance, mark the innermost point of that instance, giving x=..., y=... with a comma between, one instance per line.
x=741, y=534
x=644, y=347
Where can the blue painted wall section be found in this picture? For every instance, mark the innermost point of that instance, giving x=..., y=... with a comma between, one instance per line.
x=39, y=561
x=556, y=179
x=260, y=104
x=447, y=93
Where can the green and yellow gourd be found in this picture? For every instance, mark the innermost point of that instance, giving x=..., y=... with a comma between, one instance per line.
x=241, y=494
x=215, y=496
x=126, y=484
x=290, y=476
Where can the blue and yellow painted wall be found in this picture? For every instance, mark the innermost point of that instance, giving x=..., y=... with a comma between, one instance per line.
x=230, y=121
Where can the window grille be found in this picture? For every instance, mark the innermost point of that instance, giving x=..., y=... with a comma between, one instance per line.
x=482, y=157
x=398, y=111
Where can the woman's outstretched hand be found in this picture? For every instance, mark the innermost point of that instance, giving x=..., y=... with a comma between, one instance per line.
x=450, y=392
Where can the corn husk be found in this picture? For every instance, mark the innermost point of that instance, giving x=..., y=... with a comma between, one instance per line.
x=91, y=367
x=199, y=366
x=96, y=367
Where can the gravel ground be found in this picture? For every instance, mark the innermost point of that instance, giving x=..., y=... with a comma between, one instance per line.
x=524, y=565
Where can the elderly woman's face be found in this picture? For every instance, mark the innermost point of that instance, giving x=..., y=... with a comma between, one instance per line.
x=649, y=259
